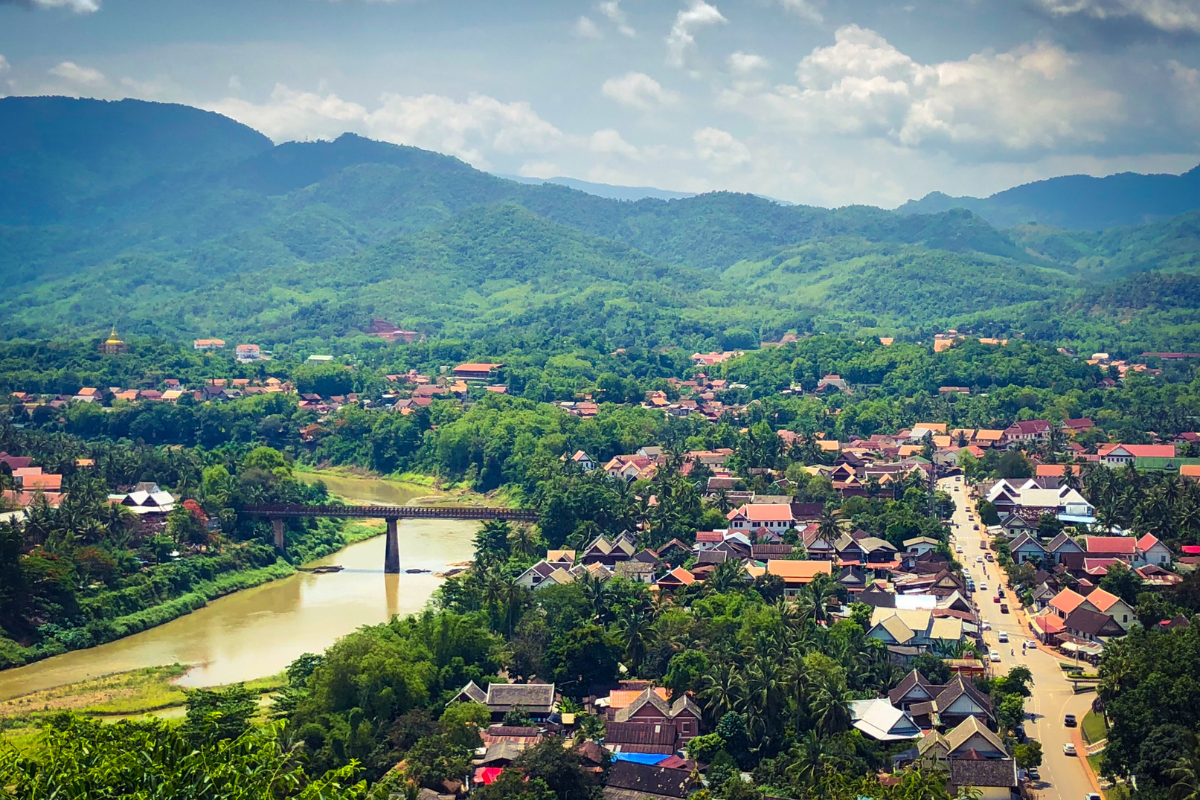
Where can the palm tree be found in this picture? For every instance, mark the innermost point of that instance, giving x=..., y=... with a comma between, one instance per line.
x=637, y=634
x=1186, y=773
x=524, y=541
x=722, y=691
x=828, y=527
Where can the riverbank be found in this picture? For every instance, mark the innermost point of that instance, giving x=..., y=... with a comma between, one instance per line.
x=186, y=590
x=122, y=695
x=249, y=634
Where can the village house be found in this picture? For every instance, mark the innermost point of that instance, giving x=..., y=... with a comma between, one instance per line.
x=208, y=344
x=797, y=574
x=775, y=517
x=534, y=700
x=1118, y=455
x=245, y=353
x=1034, y=430
x=476, y=371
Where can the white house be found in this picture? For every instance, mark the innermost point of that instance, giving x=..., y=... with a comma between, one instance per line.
x=775, y=517
x=1151, y=551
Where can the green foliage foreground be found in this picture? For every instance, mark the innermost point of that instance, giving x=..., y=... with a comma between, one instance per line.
x=81, y=759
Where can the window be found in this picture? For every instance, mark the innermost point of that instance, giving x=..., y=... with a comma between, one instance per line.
x=1124, y=618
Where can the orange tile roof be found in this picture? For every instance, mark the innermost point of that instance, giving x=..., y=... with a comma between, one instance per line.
x=798, y=571
x=621, y=698
x=1066, y=601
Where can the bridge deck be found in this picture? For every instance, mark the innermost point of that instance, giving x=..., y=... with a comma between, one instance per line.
x=393, y=512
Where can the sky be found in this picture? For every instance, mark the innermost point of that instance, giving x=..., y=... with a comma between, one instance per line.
x=823, y=102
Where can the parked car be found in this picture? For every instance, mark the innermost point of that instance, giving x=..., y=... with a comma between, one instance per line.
x=990, y=557
x=996, y=598
x=1033, y=774
x=1069, y=720
x=1068, y=749
x=1000, y=591
x=1091, y=796
x=1004, y=608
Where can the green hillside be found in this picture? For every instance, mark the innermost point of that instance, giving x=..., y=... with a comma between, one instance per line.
x=215, y=232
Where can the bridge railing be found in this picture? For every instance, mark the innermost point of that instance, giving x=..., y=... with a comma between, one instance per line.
x=392, y=512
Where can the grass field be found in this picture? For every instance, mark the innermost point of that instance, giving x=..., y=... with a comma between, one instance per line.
x=1093, y=727
x=118, y=696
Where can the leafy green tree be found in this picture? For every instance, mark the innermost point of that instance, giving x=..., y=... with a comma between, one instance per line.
x=1028, y=755
x=215, y=714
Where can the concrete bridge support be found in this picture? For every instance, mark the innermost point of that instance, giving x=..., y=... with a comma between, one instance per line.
x=391, y=553
x=277, y=524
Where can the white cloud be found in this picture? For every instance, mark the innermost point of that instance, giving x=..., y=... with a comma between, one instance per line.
x=612, y=10
x=586, y=29
x=746, y=63
x=155, y=88
x=235, y=83
x=609, y=142
x=80, y=76
x=470, y=129
x=1015, y=104
x=719, y=149
x=539, y=169
x=682, y=37
x=4, y=65
x=78, y=6
x=1172, y=16
x=639, y=90
x=804, y=8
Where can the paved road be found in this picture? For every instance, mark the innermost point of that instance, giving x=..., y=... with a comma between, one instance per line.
x=1062, y=776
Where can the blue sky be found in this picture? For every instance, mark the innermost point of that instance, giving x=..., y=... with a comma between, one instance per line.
x=828, y=102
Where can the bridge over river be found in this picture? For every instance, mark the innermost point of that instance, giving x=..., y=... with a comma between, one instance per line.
x=391, y=514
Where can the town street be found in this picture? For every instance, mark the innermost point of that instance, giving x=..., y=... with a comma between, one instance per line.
x=1062, y=776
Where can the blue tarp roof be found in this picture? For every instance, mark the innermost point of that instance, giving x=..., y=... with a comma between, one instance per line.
x=640, y=758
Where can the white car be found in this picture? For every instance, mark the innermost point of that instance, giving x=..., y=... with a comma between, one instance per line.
x=1003, y=637
x=983, y=587
x=958, y=548
x=995, y=659
x=1068, y=749
x=978, y=559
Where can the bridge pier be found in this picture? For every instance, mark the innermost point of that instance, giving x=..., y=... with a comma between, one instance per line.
x=391, y=553
x=277, y=524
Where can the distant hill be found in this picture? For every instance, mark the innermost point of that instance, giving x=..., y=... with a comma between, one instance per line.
x=57, y=152
x=1078, y=202
x=178, y=222
x=604, y=189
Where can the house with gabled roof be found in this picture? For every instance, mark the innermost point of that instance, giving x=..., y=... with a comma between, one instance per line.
x=649, y=708
x=1059, y=545
x=877, y=719
x=676, y=579
x=1092, y=626
x=1108, y=603
x=1152, y=551
x=775, y=517
x=535, y=700
x=1026, y=548
x=628, y=780
x=1122, y=547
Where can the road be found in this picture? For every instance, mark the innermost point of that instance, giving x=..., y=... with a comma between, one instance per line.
x=1062, y=776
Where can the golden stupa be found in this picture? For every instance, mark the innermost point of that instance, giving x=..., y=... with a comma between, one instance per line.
x=113, y=344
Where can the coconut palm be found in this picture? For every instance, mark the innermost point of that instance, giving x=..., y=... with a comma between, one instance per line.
x=1186, y=773
x=638, y=635
x=828, y=526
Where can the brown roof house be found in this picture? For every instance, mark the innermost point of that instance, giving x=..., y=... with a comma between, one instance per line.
x=534, y=700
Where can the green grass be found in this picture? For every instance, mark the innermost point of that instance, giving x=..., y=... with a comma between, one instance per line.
x=1093, y=727
x=122, y=694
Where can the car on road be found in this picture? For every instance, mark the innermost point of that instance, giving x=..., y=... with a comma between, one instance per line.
x=1033, y=774
x=987, y=626
x=983, y=587
x=958, y=548
x=990, y=557
x=1091, y=796
x=978, y=559
x=1004, y=608
x=976, y=527
x=1069, y=720
x=1068, y=749
x=994, y=657
x=1003, y=637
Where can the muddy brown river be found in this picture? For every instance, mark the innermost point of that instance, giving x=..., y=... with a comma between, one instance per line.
x=258, y=632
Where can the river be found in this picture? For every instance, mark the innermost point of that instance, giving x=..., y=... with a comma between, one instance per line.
x=258, y=632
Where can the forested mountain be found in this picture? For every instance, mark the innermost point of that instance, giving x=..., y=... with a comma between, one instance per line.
x=1078, y=201
x=605, y=189
x=209, y=230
